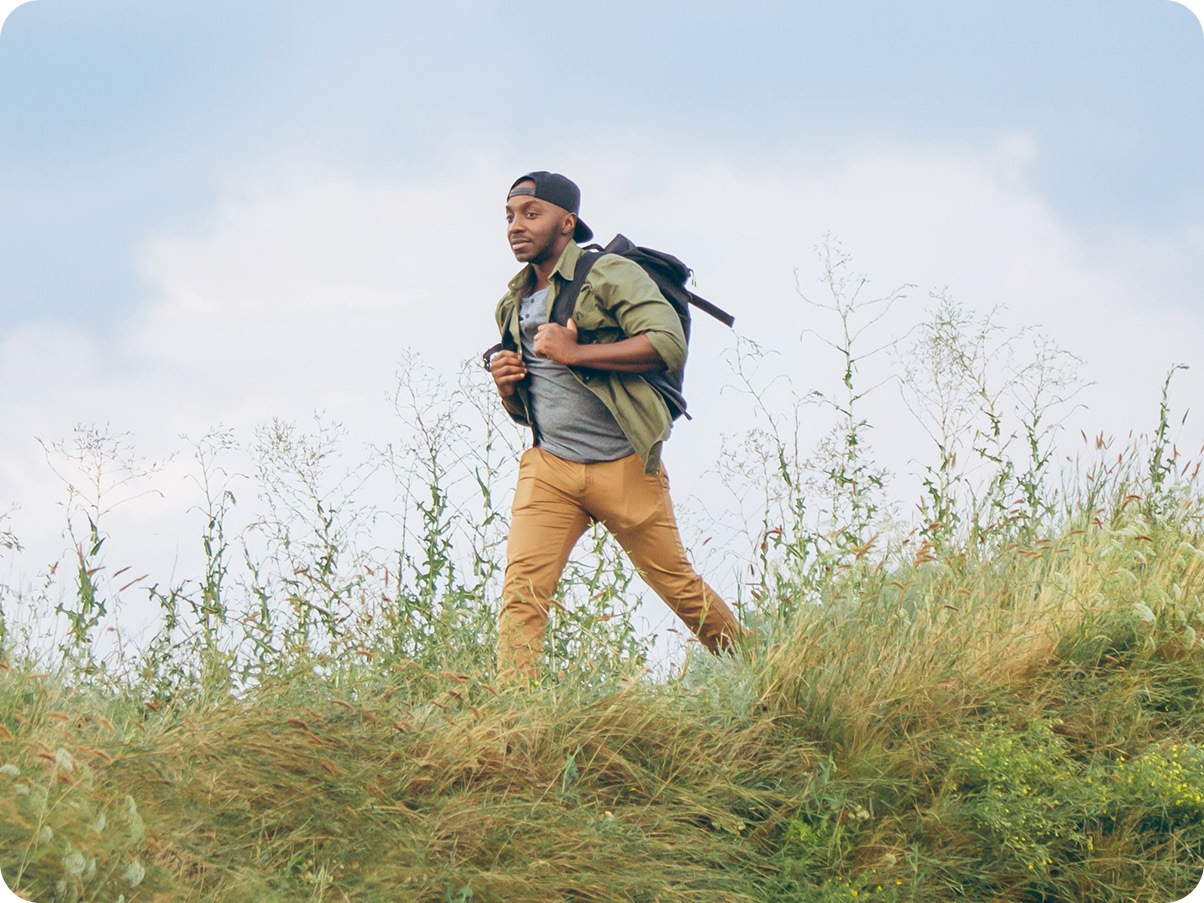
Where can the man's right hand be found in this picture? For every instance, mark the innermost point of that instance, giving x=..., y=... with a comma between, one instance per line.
x=508, y=370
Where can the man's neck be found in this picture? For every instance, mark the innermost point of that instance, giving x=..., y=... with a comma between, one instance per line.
x=546, y=267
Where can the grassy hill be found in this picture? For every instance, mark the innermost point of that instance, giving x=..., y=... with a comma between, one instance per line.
x=1023, y=724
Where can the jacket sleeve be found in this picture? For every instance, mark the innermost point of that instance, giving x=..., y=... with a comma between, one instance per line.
x=631, y=297
x=515, y=405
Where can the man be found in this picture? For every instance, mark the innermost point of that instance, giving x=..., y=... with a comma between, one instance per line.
x=598, y=426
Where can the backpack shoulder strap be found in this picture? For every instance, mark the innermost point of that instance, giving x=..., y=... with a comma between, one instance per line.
x=566, y=298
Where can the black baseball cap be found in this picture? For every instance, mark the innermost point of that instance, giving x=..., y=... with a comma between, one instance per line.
x=555, y=189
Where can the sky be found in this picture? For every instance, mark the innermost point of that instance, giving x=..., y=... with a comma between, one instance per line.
x=219, y=214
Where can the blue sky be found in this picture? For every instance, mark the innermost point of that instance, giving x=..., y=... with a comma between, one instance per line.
x=231, y=211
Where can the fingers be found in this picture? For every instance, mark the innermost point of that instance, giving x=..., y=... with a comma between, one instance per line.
x=555, y=342
x=508, y=370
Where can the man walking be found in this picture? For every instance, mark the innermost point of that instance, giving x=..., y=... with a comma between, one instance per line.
x=598, y=426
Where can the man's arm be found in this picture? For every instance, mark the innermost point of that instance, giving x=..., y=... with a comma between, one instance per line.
x=631, y=355
x=629, y=295
x=654, y=342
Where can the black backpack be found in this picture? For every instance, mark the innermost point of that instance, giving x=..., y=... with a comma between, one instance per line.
x=670, y=276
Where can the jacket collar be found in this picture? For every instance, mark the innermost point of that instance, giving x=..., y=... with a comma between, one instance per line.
x=565, y=268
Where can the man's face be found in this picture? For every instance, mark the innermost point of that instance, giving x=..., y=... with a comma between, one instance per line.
x=536, y=229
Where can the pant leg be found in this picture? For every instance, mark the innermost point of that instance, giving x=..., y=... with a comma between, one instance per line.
x=635, y=507
x=546, y=521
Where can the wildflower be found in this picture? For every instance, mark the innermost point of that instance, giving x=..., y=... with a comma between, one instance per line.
x=63, y=760
x=134, y=874
x=74, y=864
x=134, y=820
x=10, y=770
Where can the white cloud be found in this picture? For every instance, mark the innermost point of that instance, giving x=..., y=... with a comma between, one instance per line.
x=309, y=289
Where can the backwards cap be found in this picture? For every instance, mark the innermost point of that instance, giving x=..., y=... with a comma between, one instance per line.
x=555, y=189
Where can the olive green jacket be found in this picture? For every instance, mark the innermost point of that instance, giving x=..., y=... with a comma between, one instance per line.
x=618, y=300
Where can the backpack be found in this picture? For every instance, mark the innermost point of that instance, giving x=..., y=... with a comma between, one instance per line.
x=670, y=276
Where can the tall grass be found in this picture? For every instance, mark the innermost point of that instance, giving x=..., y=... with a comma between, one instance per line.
x=999, y=699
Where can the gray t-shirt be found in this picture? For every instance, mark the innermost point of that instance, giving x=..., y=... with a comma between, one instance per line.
x=570, y=420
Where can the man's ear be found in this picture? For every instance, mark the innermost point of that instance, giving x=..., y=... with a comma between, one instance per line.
x=569, y=226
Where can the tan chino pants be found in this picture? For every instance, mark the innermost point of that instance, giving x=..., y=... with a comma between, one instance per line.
x=554, y=503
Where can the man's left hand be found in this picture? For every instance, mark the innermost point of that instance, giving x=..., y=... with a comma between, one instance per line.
x=557, y=343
